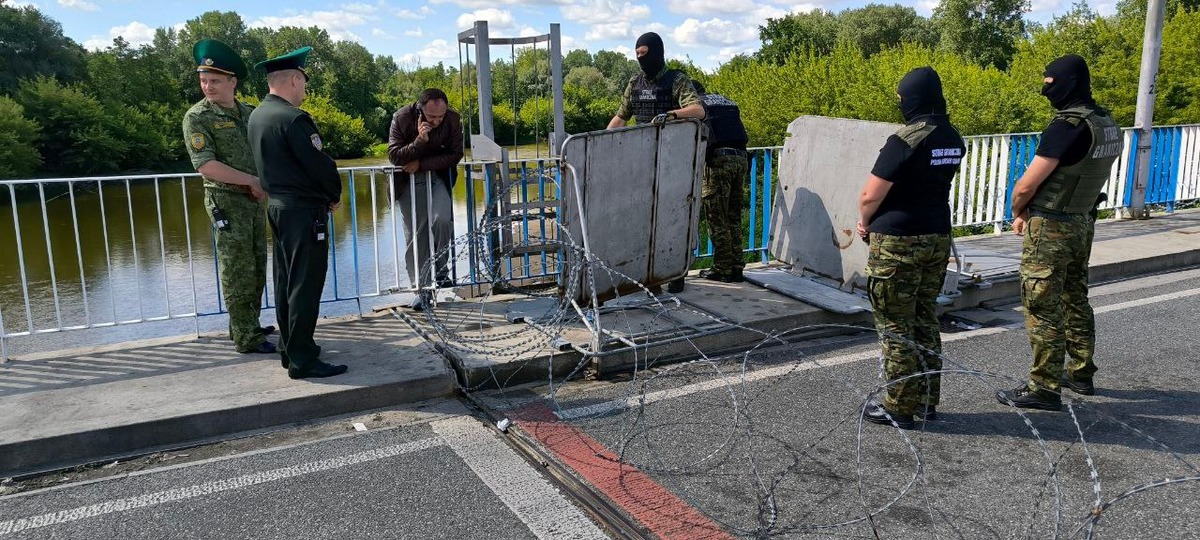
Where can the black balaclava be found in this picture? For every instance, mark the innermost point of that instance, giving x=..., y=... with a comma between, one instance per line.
x=655, y=59
x=1072, y=82
x=921, y=93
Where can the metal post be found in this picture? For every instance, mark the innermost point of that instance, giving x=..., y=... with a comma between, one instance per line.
x=1144, y=121
x=483, y=72
x=556, y=86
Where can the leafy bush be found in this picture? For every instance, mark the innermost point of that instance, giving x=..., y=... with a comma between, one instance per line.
x=18, y=141
x=344, y=136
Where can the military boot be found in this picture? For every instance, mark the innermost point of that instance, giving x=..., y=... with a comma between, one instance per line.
x=876, y=413
x=1024, y=398
x=1083, y=388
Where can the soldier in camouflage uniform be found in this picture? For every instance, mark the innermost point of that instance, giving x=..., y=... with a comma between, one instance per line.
x=905, y=217
x=726, y=171
x=656, y=95
x=1054, y=207
x=214, y=132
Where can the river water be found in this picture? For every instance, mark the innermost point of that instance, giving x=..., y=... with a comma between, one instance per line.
x=125, y=251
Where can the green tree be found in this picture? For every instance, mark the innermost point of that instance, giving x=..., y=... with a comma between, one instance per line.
x=322, y=66
x=76, y=135
x=875, y=27
x=577, y=58
x=33, y=45
x=18, y=141
x=343, y=136
x=984, y=31
x=618, y=67
x=797, y=33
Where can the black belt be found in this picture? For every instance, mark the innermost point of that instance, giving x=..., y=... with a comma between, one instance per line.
x=730, y=152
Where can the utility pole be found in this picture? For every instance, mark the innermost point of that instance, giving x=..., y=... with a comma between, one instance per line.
x=1147, y=90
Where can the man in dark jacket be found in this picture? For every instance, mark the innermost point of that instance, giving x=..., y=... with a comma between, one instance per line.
x=426, y=142
x=303, y=186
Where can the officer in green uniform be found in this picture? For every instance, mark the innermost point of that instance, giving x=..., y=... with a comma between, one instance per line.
x=1054, y=207
x=905, y=217
x=214, y=132
x=304, y=187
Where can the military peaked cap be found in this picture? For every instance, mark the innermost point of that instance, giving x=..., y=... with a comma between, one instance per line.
x=215, y=56
x=293, y=60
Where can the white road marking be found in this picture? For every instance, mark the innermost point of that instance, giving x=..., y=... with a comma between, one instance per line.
x=756, y=375
x=540, y=506
x=209, y=488
x=1147, y=301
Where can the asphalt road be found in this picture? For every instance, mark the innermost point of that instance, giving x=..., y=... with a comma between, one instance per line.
x=761, y=445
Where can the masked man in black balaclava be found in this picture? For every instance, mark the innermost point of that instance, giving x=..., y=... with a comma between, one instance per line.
x=656, y=95
x=904, y=214
x=1054, y=207
x=656, y=92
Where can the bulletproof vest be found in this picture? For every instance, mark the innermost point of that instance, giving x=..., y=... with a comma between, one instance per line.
x=724, y=123
x=650, y=99
x=1072, y=189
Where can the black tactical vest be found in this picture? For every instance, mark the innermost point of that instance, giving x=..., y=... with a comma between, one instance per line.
x=724, y=122
x=650, y=99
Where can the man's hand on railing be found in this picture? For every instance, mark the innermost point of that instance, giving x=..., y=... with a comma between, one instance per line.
x=412, y=167
x=334, y=206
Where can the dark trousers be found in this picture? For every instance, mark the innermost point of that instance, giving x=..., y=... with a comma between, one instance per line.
x=300, y=264
x=430, y=229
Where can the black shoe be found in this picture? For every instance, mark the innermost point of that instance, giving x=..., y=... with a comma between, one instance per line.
x=445, y=283
x=877, y=414
x=266, y=347
x=1024, y=398
x=420, y=303
x=675, y=286
x=267, y=330
x=1083, y=388
x=731, y=277
x=317, y=370
x=284, y=363
x=928, y=413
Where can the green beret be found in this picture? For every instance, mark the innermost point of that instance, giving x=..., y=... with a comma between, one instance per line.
x=293, y=60
x=217, y=57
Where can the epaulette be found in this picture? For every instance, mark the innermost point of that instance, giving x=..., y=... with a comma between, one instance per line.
x=913, y=134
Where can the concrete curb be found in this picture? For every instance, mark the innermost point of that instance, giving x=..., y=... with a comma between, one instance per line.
x=24, y=458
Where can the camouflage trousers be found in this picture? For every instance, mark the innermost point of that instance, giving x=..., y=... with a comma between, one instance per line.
x=904, y=277
x=721, y=198
x=241, y=263
x=1054, y=292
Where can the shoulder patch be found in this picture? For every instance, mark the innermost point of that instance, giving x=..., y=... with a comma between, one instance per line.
x=316, y=141
x=913, y=134
x=198, y=141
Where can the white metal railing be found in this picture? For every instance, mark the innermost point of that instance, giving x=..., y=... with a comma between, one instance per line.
x=143, y=246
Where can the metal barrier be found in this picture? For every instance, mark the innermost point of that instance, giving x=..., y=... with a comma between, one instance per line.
x=140, y=252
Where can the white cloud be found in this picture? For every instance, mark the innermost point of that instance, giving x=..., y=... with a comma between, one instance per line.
x=599, y=12
x=438, y=50
x=1106, y=9
x=725, y=53
x=713, y=32
x=1045, y=6
x=615, y=30
x=365, y=9
x=496, y=18
x=415, y=15
x=82, y=5
x=711, y=7
x=926, y=7
x=476, y=4
x=381, y=34
x=415, y=33
x=337, y=23
x=18, y=4
x=135, y=33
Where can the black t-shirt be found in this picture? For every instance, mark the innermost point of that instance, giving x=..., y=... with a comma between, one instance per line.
x=919, y=199
x=1065, y=142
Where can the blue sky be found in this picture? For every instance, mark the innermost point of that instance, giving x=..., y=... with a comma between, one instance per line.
x=424, y=32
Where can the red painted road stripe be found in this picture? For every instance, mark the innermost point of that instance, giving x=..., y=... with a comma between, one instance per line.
x=654, y=506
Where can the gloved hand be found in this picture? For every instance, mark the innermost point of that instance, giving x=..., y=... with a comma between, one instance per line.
x=662, y=118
